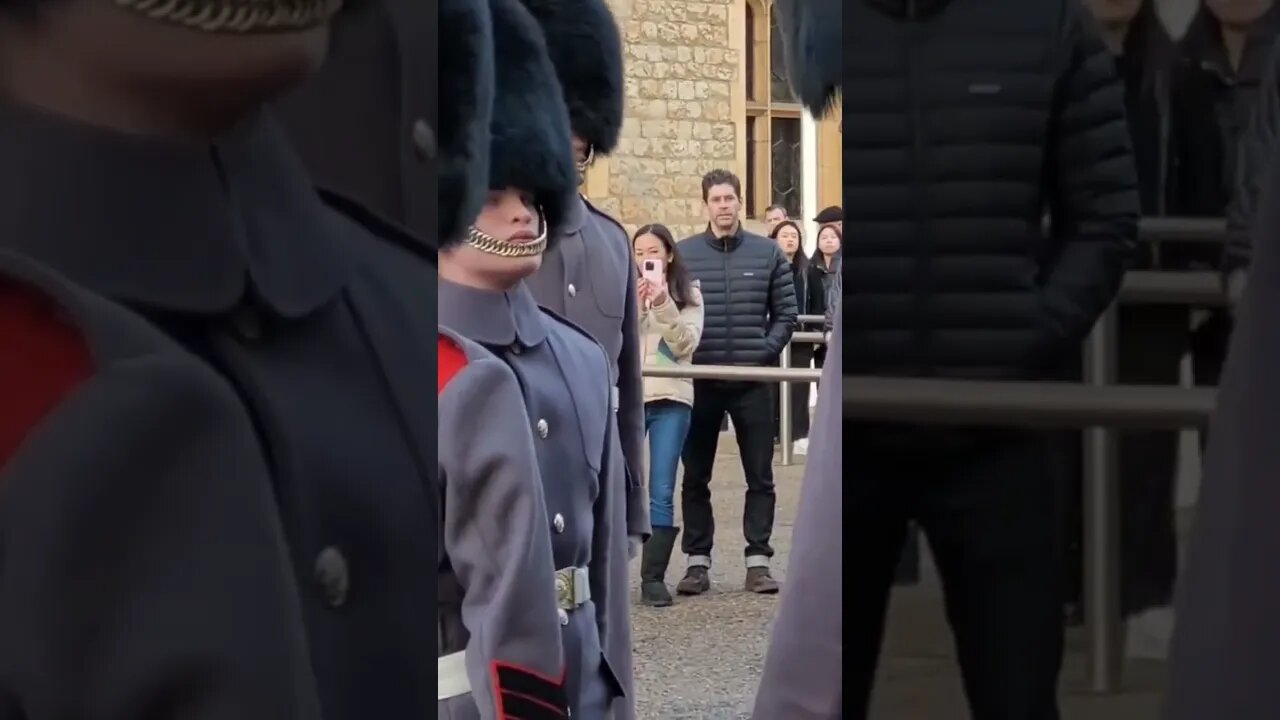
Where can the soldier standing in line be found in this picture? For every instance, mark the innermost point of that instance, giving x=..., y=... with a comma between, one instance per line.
x=588, y=275
x=483, y=297
x=499, y=641
x=138, y=162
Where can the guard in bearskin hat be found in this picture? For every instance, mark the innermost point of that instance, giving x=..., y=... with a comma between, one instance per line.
x=562, y=371
x=140, y=164
x=589, y=276
x=803, y=670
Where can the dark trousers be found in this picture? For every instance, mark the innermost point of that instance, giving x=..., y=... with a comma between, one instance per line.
x=749, y=405
x=988, y=502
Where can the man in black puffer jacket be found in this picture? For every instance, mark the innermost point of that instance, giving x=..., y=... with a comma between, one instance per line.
x=749, y=305
x=965, y=122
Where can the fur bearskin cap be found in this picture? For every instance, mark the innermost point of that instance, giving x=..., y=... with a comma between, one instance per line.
x=530, y=147
x=586, y=47
x=467, y=81
x=811, y=31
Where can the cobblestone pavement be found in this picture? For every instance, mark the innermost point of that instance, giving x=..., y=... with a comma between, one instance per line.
x=700, y=659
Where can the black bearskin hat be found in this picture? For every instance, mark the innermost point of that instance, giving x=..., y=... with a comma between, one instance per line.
x=467, y=83
x=530, y=147
x=811, y=31
x=586, y=47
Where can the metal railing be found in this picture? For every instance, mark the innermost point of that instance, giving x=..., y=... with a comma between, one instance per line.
x=1097, y=405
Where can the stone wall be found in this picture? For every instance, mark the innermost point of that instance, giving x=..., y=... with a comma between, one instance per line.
x=681, y=74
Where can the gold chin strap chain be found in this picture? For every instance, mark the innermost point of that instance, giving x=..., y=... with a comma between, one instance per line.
x=484, y=242
x=236, y=17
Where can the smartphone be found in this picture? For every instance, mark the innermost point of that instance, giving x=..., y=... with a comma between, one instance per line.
x=655, y=272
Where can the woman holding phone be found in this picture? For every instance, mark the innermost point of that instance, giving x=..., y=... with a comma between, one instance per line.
x=671, y=325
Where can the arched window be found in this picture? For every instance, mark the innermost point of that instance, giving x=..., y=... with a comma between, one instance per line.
x=775, y=168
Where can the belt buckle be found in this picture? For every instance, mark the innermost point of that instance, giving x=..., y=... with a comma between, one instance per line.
x=564, y=589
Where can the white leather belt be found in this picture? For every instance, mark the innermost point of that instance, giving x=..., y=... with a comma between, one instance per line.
x=451, y=676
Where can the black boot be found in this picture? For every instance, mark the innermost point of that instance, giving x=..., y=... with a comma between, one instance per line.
x=653, y=566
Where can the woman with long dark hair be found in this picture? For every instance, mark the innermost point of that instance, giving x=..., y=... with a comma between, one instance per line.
x=790, y=240
x=1152, y=338
x=824, y=270
x=671, y=326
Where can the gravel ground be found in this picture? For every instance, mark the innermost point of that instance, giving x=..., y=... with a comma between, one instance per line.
x=701, y=658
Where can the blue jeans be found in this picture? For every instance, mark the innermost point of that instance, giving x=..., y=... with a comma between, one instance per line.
x=667, y=423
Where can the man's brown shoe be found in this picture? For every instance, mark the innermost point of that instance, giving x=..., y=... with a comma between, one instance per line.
x=760, y=581
x=695, y=581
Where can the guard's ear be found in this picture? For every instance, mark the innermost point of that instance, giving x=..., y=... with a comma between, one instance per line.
x=812, y=34
x=466, y=85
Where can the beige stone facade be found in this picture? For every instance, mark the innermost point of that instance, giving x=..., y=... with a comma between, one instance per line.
x=688, y=106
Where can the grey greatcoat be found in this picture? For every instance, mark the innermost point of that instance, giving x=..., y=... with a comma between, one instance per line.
x=1224, y=653
x=555, y=363
x=143, y=569
x=497, y=598
x=320, y=319
x=589, y=277
x=803, y=671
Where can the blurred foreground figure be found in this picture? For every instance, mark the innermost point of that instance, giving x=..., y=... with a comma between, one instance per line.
x=562, y=372
x=369, y=124
x=139, y=164
x=122, y=564
x=1226, y=643
x=803, y=672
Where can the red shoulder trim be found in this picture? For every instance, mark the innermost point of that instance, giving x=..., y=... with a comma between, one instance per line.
x=526, y=694
x=451, y=362
x=42, y=359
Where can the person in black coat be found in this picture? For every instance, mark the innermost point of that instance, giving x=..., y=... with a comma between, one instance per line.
x=1152, y=339
x=948, y=175
x=787, y=234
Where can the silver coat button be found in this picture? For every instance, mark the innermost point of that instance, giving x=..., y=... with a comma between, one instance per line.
x=333, y=576
x=557, y=522
x=424, y=140
x=515, y=349
x=564, y=617
x=543, y=428
x=573, y=291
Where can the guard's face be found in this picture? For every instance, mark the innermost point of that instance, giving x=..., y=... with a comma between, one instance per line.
x=195, y=51
x=509, y=216
x=828, y=241
x=788, y=240
x=1238, y=13
x=723, y=206
x=1114, y=12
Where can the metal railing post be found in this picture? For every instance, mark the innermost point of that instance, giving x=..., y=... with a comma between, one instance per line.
x=1102, y=522
x=784, y=407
